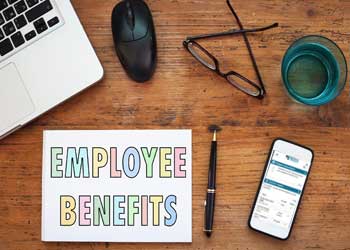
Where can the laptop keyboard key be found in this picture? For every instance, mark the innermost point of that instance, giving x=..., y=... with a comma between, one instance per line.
x=39, y=10
x=12, y=1
x=53, y=21
x=2, y=20
x=20, y=22
x=30, y=35
x=9, y=13
x=5, y=47
x=31, y=3
x=20, y=7
x=9, y=28
x=17, y=39
x=40, y=25
x=3, y=4
x=1, y=35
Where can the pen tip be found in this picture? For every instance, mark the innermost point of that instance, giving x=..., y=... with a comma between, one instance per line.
x=208, y=233
x=213, y=128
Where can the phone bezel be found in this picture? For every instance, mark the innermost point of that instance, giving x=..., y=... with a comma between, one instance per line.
x=261, y=181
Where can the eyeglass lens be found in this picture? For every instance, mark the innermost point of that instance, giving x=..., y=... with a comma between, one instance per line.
x=201, y=55
x=243, y=85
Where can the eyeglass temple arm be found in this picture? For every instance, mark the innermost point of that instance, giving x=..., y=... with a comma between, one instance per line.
x=232, y=32
x=248, y=47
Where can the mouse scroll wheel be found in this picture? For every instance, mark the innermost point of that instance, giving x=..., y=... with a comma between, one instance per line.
x=131, y=19
x=130, y=16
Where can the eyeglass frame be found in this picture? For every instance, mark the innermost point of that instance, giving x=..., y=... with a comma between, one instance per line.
x=192, y=40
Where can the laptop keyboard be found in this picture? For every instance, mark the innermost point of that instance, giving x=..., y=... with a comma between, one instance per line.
x=23, y=22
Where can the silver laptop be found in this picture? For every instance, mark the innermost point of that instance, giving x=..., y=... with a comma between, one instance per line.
x=45, y=58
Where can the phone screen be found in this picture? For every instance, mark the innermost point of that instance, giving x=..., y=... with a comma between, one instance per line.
x=280, y=192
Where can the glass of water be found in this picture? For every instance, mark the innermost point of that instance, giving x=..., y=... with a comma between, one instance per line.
x=314, y=70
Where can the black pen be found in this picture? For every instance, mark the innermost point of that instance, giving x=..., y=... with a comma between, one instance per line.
x=210, y=201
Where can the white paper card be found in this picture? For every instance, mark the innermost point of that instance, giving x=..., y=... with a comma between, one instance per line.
x=117, y=186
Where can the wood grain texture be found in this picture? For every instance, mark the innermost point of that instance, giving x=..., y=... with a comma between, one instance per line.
x=184, y=94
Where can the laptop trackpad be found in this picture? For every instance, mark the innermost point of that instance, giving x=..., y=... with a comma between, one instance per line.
x=15, y=102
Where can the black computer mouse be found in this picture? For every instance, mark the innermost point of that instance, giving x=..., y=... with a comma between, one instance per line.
x=135, y=39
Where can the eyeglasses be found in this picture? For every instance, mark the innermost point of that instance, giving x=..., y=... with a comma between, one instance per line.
x=234, y=78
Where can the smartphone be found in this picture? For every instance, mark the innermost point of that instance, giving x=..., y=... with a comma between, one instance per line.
x=281, y=188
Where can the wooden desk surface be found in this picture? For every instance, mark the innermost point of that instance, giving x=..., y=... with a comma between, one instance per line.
x=184, y=94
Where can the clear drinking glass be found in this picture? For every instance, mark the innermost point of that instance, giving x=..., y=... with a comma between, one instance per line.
x=314, y=70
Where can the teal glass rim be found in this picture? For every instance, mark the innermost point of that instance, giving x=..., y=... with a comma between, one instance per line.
x=328, y=89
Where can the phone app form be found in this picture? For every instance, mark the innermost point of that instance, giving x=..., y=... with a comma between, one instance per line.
x=281, y=190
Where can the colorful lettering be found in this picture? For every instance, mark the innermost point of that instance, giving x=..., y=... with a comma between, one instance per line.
x=179, y=162
x=99, y=160
x=84, y=209
x=56, y=162
x=132, y=210
x=156, y=200
x=164, y=162
x=115, y=173
x=134, y=154
x=101, y=210
x=118, y=210
x=68, y=215
x=144, y=214
x=149, y=158
x=171, y=199
x=79, y=163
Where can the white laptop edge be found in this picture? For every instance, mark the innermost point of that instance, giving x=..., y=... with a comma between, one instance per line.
x=66, y=64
